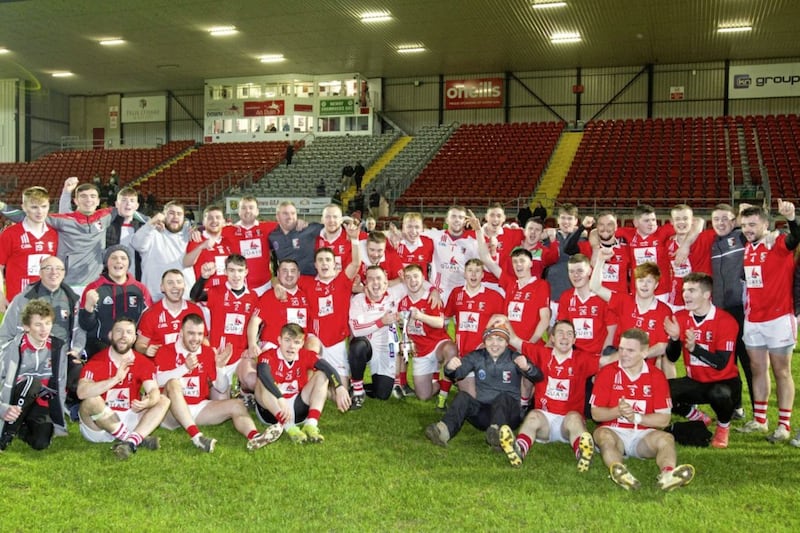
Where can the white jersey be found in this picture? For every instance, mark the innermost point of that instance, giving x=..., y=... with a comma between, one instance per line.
x=449, y=257
x=364, y=322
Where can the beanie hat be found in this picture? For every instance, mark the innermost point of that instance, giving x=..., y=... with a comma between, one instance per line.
x=111, y=249
x=499, y=330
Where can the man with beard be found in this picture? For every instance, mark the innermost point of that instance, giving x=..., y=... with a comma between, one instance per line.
x=248, y=238
x=162, y=244
x=213, y=247
x=119, y=396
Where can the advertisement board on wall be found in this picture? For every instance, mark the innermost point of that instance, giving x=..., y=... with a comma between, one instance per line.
x=337, y=106
x=144, y=109
x=764, y=81
x=264, y=108
x=474, y=93
x=268, y=205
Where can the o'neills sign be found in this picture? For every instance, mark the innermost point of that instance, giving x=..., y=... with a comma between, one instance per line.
x=472, y=94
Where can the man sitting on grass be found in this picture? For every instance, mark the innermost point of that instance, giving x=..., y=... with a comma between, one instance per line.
x=498, y=375
x=293, y=385
x=631, y=403
x=185, y=369
x=119, y=395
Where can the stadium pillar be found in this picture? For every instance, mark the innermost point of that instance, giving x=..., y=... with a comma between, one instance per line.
x=507, y=106
x=726, y=88
x=441, y=99
x=650, y=90
x=578, y=93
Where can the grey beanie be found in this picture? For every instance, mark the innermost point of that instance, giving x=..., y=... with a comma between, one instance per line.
x=111, y=249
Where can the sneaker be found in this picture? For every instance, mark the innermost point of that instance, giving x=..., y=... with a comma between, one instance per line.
x=123, y=450
x=356, y=402
x=248, y=399
x=441, y=403
x=623, y=478
x=509, y=445
x=268, y=436
x=780, y=434
x=150, y=443
x=312, y=433
x=408, y=391
x=438, y=433
x=753, y=427
x=296, y=434
x=585, y=451
x=204, y=443
x=677, y=477
x=795, y=441
x=720, y=439
x=738, y=414
x=493, y=436
x=397, y=392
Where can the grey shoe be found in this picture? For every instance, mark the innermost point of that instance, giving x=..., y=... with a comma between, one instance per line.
x=438, y=434
x=204, y=443
x=123, y=450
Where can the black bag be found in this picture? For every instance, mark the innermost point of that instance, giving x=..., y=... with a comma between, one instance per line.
x=691, y=433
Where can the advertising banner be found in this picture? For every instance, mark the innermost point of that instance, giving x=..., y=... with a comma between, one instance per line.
x=764, y=81
x=337, y=106
x=473, y=94
x=268, y=205
x=264, y=109
x=144, y=109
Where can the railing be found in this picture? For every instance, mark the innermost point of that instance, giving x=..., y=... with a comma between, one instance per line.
x=73, y=142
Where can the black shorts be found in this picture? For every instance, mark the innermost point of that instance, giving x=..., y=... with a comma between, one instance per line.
x=300, y=412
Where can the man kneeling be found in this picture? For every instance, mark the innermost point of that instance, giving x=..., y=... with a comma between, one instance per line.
x=186, y=369
x=293, y=384
x=111, y=406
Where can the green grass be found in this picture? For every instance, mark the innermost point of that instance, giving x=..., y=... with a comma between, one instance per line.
x=377, y=472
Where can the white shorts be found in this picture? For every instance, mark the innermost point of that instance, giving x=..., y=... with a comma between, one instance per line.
x=171, y=424
x=556, y=422
x=336, y=355
x=382, y=364
x=778, y=335
x=427, y=364
x=228, y=371
x=631, y=438
x=130, y=418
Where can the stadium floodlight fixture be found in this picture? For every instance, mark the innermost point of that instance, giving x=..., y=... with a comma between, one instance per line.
x=734, y=29
x=220, y=31
x=410, y=48
x=376, y=16
x=548, y=5
x=62, y=74
x=559, y=38
x=112, y=42
x=4, y=50
x=272, y=58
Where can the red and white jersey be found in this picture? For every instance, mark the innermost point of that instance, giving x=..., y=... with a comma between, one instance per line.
x=419, y=253
x=541, y=256
x=276, y=313
x=590, y=317
x=563, y=388
x=450, y=255
x=617, y=268
x=230, y=315
x=717, y=331
x=216, y=255
x=507, y=240
x=768, y=277
x=341, y=246
x=100, y=368
x=523, y=303
x=629, y=315
x=329, y=307
x=161, y=326
x=699, y=260
x=21, y=251
x=424, y=337
x=290, y=376
x=253, y=245
x=365, y=318
x=650, y=249
x=647, y=393
x=195, y=383
x=472, y=313
x=390, y=263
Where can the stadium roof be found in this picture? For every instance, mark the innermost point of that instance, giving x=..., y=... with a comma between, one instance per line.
x=167, y=44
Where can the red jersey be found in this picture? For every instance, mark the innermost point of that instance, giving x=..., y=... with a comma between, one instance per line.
x=21, y=251
x=420, y=253
x=563, y=388
x=617, y=268
x=651, y=320
x=100, y=368
x=524, y=302
x=768, y=278
x=159, y=325
x=650, y=249
x=290, y=376
x=424, y=337
x=390, y=263
x=647, y=393
x=252, y=244
x=590, y=318
x=717, y=331
x=341, y=246
x=216, y=255
x=541, y=256
x=195, y=383
x=699, y=260
x=507, y=240
x=472, y=313
x=229, y=316
x=275, y=313
x=329, y=307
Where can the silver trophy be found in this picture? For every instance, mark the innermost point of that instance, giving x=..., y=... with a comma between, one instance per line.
x=406, y=346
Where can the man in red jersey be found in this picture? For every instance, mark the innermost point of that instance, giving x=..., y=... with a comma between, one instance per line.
x=617, y=267
x=119, y=395
x=334, y=235
x=542, y=255
x=699, y=257
x=160, y=324
x=413, y=247
x=631, y=402
x=284, y=303
x=706, y=336
x=24, y=245
x=506, y=238
x=375, y=251
x=248, y=238
x=213, y=247
x=560, y=396
x=770, y=328
x=293, y=384
x=187, y=370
